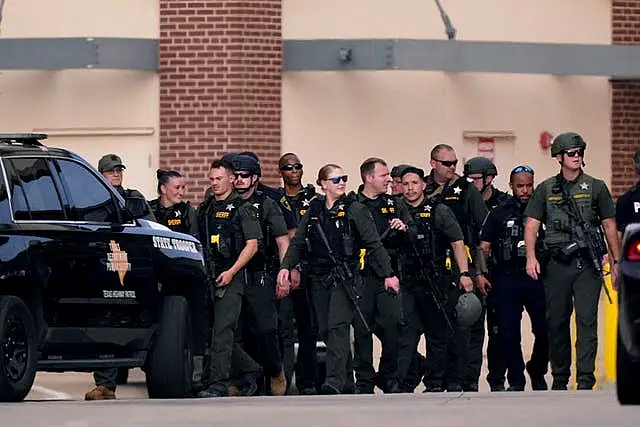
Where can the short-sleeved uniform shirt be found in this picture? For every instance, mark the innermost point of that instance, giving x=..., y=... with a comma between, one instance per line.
x=628, y=208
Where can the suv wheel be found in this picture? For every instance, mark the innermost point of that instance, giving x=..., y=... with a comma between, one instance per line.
x=628, y=376
x=18, y=355
x=170, y=364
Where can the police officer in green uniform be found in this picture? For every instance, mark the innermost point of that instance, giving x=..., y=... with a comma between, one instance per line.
x=169, y=208
x=260, y=315
x=295, y=311
x=570, y=278
x=482, y=171
x=444, y=185
x=229, y=232
x=112, y=168
x=396, y=228
x=429, y=306
x=328, y=236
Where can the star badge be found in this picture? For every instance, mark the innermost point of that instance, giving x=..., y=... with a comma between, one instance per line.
x=427, y=208
x=306, y=202
x=230, y=207
x=457, y=190
x=584, y=186
x=176, y=214
x=390, y=202
x=256, y=205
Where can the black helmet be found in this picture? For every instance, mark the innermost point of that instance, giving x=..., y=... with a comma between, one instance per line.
x=396, y=171
x=244, y=162
x=468, y=309
x=565, y=141
x=481, y=165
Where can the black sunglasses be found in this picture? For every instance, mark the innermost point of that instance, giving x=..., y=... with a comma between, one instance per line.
x=447, y=163
x=242, y=175
x=290, y=167
x=575, y=153
x=519, y=169
x=336, y=179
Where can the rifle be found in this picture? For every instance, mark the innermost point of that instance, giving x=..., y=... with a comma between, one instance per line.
x=341, y=273
x=588, y=236
x=210, y=268
x=431, y=290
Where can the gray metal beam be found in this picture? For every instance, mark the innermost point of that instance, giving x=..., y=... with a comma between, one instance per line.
x=614, y=61
x=78, y=52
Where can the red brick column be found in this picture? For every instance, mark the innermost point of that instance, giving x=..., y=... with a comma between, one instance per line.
x=625, y=102
x=220, y=84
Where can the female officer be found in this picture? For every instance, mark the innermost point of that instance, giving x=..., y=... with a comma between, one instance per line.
x=330, y=237
x=169, y=208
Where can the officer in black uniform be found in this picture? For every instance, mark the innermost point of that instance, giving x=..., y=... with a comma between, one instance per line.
x=259, y=303
x=229, y=232
x=396, y=228
x=628, y=204
x=512, y=288
x=482, y=171
x=396, y=177
x=467, y=204
x=169, y=208
x=296, y=306
x=329, y=235
x=428, y=294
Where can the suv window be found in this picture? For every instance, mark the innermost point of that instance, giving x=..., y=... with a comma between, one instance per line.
x=89, y=199
x=33, y=193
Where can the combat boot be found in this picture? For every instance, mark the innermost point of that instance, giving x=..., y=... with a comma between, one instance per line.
x=279, y=384
x=100, y=393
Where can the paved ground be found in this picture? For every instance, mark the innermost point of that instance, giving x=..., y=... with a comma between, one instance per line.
x=478, y=410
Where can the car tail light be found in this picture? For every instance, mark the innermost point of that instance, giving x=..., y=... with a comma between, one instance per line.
x=633, y=254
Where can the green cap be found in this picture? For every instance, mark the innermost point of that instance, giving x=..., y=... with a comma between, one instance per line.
x=481, y=165
x=565, y=141
x=109, y=162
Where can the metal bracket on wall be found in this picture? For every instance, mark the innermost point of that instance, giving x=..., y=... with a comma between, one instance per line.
x=78, y=53
x=562, y=59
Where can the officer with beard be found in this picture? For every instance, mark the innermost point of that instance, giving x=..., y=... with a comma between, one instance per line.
x=169, y=208
x=259, y=302
x=428, y=297
x=444, y=185
x=511, y=287
x=296, y=305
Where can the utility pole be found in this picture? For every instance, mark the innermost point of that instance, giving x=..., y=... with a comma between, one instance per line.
x=449, y=28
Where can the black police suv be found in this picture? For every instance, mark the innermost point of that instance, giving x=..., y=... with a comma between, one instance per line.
x=628, y=349
x=85, y=282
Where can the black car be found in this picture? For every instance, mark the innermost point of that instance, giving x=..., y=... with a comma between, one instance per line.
x=628, y=349
x=85, y=282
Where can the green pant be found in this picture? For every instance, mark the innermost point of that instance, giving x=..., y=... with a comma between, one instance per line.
x=334, y=313
x=567, y=285
x=225, y=349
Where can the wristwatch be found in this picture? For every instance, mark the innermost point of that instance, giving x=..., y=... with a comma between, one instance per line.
x=615, y=261
x=465, y=273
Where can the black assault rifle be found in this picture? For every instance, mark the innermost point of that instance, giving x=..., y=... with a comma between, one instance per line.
x=341, y=274
x=588, y=237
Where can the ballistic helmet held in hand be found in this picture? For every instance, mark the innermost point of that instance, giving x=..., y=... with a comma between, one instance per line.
x=481, y=165
x=566, y=141
x=468, y=309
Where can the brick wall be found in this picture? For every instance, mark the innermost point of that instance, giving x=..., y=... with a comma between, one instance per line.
x=625, y=105
x=220, y=85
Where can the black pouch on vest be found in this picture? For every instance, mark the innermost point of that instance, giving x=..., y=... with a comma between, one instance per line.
x=566, y=254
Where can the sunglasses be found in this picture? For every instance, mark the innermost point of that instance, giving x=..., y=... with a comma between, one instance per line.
x=244, y=175
x=447, y=163
x=336, y=179
x=575, y=153
x=522, y=169
x=292, y=166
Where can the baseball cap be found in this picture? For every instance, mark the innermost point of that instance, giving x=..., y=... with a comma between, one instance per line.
x=109, y=162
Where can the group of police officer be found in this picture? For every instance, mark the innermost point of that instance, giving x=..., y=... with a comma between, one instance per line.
x=439, y=256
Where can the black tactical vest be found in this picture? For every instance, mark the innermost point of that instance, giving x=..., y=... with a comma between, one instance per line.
x=300, y=202
x=175, y=217
x=429, y=243
x=454, y=196
x=222, y=229
x=267, y=248
x=337, y=228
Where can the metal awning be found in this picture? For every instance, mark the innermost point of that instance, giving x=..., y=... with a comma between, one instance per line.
x=78, y=52
x=614, y=61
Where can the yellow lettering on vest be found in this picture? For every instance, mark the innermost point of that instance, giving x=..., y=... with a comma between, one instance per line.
x=425, y=215
x=582, y=196
x=554, y=198
x=223, y=215
x=174, y=222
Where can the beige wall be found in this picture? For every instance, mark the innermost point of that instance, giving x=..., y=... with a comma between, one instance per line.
x=347, y=116
x=91, y=112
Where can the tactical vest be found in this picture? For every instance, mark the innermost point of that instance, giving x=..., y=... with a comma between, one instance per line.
x=175, y=217
x=263, y=259
x=497, y=198
x=384, y=209
x=510, y=246
x=454, y=196
x=429, y=243
x=560, y=227
x=337, y=228
x=300, y=202
x=223, y=231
